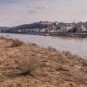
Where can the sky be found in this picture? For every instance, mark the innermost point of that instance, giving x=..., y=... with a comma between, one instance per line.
x=17, y=12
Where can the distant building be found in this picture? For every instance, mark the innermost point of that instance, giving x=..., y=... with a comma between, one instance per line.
x=84, y=28
x=70, y=26
x=63, y=29
x=81, y=28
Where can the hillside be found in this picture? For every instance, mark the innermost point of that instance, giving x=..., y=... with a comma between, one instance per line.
x=2, y=29
x=27, y=26
x=28, y=65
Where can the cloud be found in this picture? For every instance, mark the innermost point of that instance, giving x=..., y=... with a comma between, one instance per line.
x=35, y=9
x=15, y=12
x=41, y=7
x=31, y=12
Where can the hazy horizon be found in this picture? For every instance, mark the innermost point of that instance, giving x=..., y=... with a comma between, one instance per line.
x=17, y=12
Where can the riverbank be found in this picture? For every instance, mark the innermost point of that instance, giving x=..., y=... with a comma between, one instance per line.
x=28, y=65
x=61, y=34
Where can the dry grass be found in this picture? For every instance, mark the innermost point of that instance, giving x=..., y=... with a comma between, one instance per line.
x=52, y=49
x=6, y=39
x=49, y=67
x=16, y=43
x=33, y=44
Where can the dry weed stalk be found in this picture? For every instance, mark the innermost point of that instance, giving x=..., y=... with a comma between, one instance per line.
x=26, y=66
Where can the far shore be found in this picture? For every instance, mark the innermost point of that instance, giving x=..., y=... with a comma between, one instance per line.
x=72, y=35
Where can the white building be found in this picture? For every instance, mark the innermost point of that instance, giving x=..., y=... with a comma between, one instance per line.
x=83, y=28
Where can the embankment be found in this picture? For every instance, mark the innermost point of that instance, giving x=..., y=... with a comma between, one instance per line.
x=28, y=65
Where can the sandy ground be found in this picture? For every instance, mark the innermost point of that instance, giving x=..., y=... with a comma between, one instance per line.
x=55, y=69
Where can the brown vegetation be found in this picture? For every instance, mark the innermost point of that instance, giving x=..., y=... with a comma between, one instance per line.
x=16, y=43
x=28, y=65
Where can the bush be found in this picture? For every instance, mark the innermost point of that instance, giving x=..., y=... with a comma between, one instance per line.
x=26, y=66
x=16, y=43
x=6, y=39
x=33, y=44
x=67, y=53
x=52, y=49
x=1, y=37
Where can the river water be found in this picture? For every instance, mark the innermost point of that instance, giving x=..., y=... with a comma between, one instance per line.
x=74, y=45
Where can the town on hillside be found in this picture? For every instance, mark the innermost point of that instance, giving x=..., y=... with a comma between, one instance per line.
x=51, y=28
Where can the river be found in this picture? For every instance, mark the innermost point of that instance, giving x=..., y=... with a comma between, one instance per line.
x=74, y=45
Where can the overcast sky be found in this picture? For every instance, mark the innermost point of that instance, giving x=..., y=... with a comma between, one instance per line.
x=16, y=12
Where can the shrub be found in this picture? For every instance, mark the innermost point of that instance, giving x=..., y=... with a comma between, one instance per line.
x=33, y=44
x=67, y=53
x=16, y=43
x=1, y=37
x=5, y=39
x=52, y=49
x=26, y=66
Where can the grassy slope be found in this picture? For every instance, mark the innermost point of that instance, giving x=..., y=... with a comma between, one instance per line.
x=55, y=69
